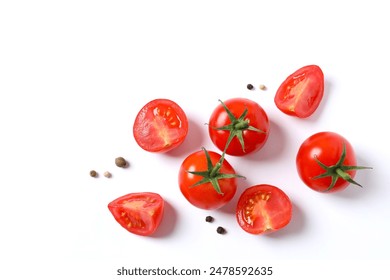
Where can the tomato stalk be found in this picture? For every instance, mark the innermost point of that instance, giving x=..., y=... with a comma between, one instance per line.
x=212, y=174
x=236, y=127
x=338, y=170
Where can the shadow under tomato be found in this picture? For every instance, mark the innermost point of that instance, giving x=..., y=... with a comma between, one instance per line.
x=193, y=141
x=296, y=225
x=168, y=222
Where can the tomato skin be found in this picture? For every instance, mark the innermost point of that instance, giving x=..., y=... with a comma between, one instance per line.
x=160, y=126
x=301, y=93
x=139, y=213
x=205, y=196
x=253, y=140
x=263, y=209
x=327, y=147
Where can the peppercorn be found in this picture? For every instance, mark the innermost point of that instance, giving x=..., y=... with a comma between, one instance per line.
x=262, y=87
x=107, y=174
x=249, y=86
x=93, y=173
x=120, y=162
x=221, y=230
x=209, y=219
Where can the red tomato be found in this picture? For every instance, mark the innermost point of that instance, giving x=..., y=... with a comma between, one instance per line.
x=241, y=121
x=326, y=162
x=206, y=182
x=160, y=126
x=139, y=213
x=301, y=93
x=263, y=209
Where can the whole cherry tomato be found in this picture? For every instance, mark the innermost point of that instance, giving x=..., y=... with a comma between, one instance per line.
x=301, y=93
x=139, y=213
x=326, y=162
x=239, y=126
x=263, y=209
x=207, y=180
x=161, y=125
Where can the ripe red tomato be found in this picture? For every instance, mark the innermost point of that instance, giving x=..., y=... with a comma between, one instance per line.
x=240, y=123
x=207, y=180
x=139, y=213
x=263, y=209
x=161, y=125
x=326, y=162
x=301, y=93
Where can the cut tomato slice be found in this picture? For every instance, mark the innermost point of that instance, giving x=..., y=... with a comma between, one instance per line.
x=161, y=125
x=301, y=93
x=139, y=213
x=263, y=208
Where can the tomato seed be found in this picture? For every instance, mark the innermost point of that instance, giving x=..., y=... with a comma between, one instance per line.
x=249, y=86
x=120, y=162
x=93, y=173
x=221, y=230
x=209, y=219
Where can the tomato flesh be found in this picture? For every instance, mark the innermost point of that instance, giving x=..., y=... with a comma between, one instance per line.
x=161, y=125
x=139, y=213
x=301, y=93
x=263, y=209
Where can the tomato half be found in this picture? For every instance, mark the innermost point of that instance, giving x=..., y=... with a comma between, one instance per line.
x=326, y=162
x=161, y=125
x=263, y=209
x=301, y=93
x=242, y=122
x=139, y=213
x=198, y=175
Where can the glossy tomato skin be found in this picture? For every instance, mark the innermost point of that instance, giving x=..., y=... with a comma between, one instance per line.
x=263, y=209
x=253, y=140
x=301, y=93
x=205, y=196
x=327, y=147
x=139, y=213
x=160, y=126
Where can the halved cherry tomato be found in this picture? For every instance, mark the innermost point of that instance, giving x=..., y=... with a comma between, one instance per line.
x=207, y=180
x=139, y=213
x=326, y=162
x=263, y=208
x=301, y=93
x=161, y=125
x=239, y=125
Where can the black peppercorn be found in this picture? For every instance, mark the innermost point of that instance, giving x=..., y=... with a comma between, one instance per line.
x=249, y=86
x=209, y=219
x=221, y=230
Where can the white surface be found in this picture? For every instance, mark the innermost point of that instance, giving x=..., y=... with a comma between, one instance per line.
x=73, y=75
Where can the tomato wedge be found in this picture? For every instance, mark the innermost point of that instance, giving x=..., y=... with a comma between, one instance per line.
x=263, y=209
x=161, y=125
x=301, y=93
x=139, y=213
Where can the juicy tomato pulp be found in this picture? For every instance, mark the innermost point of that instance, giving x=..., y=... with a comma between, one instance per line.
x=263, y=208
x=326, y=147
x=139, y=213
x=160, y=126
x=204, y=196
x=301, y=93
x=256, y=117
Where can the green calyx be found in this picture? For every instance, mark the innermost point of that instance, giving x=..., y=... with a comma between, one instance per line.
x=237, y=126
x=212, y=174
x=338, y=170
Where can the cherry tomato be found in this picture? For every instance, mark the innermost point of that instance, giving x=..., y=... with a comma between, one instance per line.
x=263, y=209
x=301, y=93
x=326, y=162
x=207, y=180
x=161, y=125
x=239, y=124
x=139, y=213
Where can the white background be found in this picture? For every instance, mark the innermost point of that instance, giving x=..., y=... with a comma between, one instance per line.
x=73, y=75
